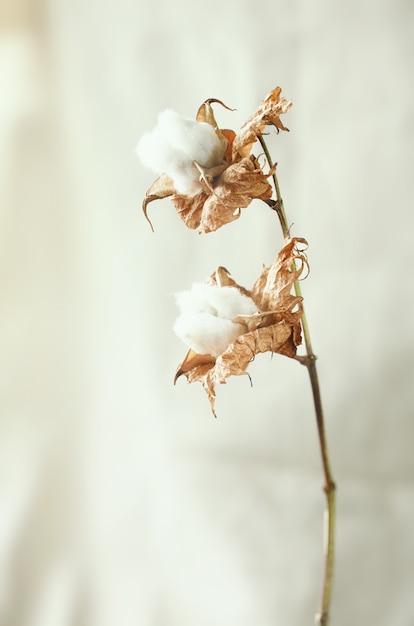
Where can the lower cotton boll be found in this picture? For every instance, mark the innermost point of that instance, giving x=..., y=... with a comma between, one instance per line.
x=207, y=334
x=205, y=324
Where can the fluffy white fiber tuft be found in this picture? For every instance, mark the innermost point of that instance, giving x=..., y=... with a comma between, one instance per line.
x=205, y=322
x=173, y=146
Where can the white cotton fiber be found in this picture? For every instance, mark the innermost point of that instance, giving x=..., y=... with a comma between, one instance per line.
x=173, y=146
x=205, y=333
x=205, y=323
x=198, y=140
x=229, y=302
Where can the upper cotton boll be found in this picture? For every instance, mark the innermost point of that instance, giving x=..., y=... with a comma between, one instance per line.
x=205, y=323
x=161, y=157
x=198, y=140
x=173, y=146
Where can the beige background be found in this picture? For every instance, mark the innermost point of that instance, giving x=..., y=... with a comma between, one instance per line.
x=123, y=502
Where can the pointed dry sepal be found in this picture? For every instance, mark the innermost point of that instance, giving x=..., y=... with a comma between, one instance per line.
x=162, y=187
x=205, y=112
x=274, y=328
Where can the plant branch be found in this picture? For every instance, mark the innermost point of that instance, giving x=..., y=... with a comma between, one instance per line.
x=322, y=617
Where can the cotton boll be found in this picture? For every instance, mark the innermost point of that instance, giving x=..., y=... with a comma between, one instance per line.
x=229, y=302
x=186, y=177
x=160, y=156
x=173, y=146
x=198, y=140
x=155, y=153
x=196, y=300
x=207, y=311
x=205, y=333
x=226, y=302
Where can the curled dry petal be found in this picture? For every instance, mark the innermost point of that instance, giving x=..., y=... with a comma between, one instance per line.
x=272, y=288
x=231, y=183
x=276, y=328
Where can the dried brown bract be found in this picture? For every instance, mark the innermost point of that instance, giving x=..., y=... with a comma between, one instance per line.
x=274, y=328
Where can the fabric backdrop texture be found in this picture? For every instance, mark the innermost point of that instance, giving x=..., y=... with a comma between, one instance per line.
x=123, y=501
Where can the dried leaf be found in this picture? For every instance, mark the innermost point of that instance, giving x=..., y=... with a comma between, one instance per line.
x=194, y=365
x=231, y=191
x=276, y=328
x=272, y=289
x=279, y=338
x=190, y=208
x=234, y=190
x=268, y=113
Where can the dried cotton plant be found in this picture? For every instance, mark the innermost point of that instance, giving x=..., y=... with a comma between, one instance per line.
x=211, y=174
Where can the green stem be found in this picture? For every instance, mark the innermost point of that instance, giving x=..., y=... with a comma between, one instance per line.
x=309, y=361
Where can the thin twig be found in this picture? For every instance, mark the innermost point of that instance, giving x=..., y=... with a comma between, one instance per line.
x=322, y=617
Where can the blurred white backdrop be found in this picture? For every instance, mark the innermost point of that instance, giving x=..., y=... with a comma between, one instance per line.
x=122, y=500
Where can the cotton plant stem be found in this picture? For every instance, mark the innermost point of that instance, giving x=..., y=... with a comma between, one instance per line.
x=322, y=617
